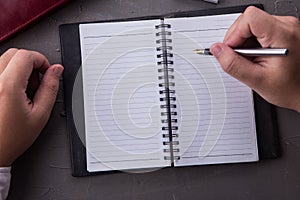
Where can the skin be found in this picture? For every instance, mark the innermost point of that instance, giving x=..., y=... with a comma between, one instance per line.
x=275, y=78
x=26, y=101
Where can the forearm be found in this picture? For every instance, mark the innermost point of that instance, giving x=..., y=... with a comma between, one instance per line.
x=4, y=182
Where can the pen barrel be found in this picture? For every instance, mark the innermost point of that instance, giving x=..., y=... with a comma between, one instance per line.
x=262, y=52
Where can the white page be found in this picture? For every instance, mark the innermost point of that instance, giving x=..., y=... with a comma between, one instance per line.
x=215, y=111
x=121, y=97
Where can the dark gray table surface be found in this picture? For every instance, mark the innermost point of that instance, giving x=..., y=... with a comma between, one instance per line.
x=43, y=172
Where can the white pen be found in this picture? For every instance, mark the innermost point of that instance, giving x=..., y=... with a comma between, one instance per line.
x=251, y=52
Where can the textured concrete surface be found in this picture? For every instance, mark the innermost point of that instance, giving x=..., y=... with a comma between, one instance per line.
x=43, y=172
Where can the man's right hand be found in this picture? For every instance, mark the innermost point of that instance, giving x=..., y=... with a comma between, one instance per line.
x=275, y=78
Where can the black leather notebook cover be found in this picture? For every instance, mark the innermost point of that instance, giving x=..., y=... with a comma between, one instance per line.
x=266, y=125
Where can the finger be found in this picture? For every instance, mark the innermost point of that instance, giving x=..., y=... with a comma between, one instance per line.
x=46, y=94
x=232, y=28
x=6, y=57
x=286, y=19
x=21, y=66
x=253, y=22
x=237, y=66
x=33, y=84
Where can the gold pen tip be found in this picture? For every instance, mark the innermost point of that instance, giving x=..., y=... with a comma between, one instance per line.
x=198, y=51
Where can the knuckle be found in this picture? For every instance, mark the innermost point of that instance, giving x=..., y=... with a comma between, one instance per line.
x=292, y=34
x=6, y=57
x=293, y=20
x=251, y=11
x=23, y=54
x=293, y=30
x=11, y=50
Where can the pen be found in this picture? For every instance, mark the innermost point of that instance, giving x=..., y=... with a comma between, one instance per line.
x=250, y=52
x=212, y=1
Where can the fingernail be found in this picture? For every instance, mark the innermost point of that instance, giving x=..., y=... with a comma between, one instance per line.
x=58, y=71
x=216, y=50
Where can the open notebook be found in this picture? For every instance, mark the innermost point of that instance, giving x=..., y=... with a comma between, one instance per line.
x=138, y=97
x=149, y=100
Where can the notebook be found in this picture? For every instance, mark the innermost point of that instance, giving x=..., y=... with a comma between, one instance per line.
x=149, y=101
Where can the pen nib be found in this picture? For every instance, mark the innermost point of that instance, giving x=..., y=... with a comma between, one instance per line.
x=199, y=51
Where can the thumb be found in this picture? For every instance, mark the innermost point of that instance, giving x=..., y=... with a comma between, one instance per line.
x=46, y=94
x=238, y=66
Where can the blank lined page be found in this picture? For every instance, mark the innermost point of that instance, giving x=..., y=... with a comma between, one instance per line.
x=121, y=97
x=215, y=111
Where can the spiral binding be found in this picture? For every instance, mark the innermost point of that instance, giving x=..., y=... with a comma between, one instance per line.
x=166, y=70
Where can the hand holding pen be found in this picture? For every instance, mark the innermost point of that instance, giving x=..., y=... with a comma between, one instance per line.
x=275, y=78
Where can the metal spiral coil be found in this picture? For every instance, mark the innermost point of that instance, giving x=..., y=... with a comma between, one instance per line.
x=174, y=157
x=166, y=76
x=163, y=26
x=163, y=33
